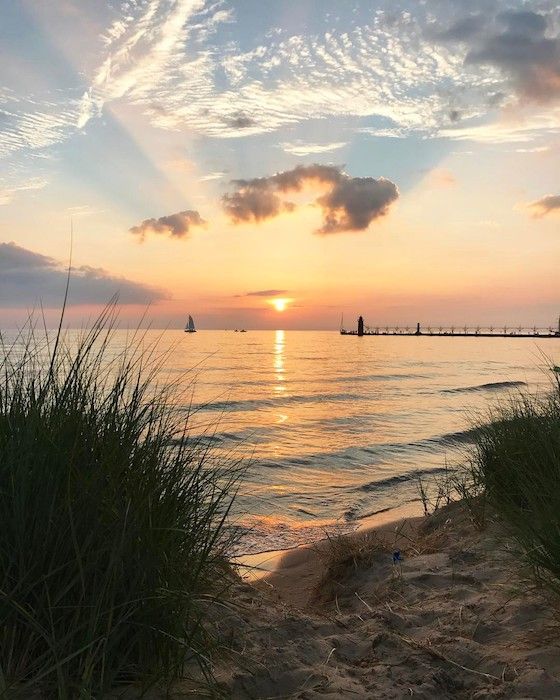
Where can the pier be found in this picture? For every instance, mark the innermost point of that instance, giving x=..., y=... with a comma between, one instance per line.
x=454, y=331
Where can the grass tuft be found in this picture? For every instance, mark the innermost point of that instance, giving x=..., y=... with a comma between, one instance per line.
x=516, y=462
x=113, y=536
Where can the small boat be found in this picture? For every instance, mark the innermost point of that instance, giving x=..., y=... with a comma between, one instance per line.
x=189, y=328
x=243, y=331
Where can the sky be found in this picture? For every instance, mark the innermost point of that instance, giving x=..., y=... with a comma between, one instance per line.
x=392, y=158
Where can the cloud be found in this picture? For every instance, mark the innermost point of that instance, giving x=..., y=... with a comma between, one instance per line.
x=384, y=132
x=522, y=127
x=143, y=51
x=300, y=148
x=253, y=202
x=211, y=176
x=7, y=194
x=264, y=293
x=354, y=202
x=27, y=278
x=174, y=225
x=349, y=203
x=461, y=30
x=168, y=59
x=241, y=121
x=163, y=49
x=441, y=178
x=535, y=149
x=545, y=205
x=30, y=123
x=521, y=49
x=515, y=42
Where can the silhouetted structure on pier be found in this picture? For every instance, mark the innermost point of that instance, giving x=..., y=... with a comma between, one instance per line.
x=454, y=331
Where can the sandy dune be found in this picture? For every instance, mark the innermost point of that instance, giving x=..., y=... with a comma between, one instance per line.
x=458, y=618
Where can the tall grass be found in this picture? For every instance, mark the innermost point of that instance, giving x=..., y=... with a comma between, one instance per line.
x=516, y=462
x=112, y=536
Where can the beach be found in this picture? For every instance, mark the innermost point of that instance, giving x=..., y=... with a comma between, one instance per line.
x=456, y=615
x=334, y=586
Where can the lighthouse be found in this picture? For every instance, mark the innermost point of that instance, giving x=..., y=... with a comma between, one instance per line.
x=361, y=326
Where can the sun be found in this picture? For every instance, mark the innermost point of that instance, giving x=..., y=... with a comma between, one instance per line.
x=280, y=304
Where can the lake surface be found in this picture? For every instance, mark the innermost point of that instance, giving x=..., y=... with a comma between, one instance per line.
x=338, y=427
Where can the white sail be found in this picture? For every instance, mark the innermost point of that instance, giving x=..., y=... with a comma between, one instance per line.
x=189, y=328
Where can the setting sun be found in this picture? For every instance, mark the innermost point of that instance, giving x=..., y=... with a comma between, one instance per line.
x=280, y=304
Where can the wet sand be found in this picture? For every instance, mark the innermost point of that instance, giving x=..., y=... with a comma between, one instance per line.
x=253, y=567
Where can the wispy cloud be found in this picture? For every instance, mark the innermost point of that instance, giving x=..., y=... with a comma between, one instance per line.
x=263, y=293
x=168, y=58
x=211, y=176
x=7, y=194
x=159, y=54
x=35, y=122
x=142, y=51
x=535, y=149
x=523, y=126
x=300, y=148
x=83, y=210
x=384, y=132
x=441, y=178
x=143, y=55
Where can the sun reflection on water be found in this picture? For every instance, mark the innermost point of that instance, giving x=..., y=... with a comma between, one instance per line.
x=278, y=361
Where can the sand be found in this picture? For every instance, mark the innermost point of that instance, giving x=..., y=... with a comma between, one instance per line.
x=459, y=617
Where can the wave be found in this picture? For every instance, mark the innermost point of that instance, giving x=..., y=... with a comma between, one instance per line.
x=250, y=404
x=378, y=454
x=490, y=386
x=461, y=436
x=375, y=378
x=382, y=450
x=390, y=481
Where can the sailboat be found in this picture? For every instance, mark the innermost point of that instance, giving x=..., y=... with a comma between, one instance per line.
x=189, y=328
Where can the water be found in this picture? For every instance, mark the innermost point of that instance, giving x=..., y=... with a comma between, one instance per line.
x=338, y=427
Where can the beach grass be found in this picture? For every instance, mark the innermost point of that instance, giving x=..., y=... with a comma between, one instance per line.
x=516, y=465
x=113, y=529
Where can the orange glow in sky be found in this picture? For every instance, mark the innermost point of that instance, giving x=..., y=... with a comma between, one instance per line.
x=375, y=173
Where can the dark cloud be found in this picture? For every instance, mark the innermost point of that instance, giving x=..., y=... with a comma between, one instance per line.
x=349, y=204
x=496, y=99
x=545, y=205
x=253, y=202
x=264, y=293
x=175, y=225
x=517, y=43
x=241, y=121
x=523, y=22
x=354, y=202
x=27, y=278
x=461, y=30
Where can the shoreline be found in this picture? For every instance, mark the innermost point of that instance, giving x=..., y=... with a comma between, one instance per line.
x=456, y=617
x=258, y=565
